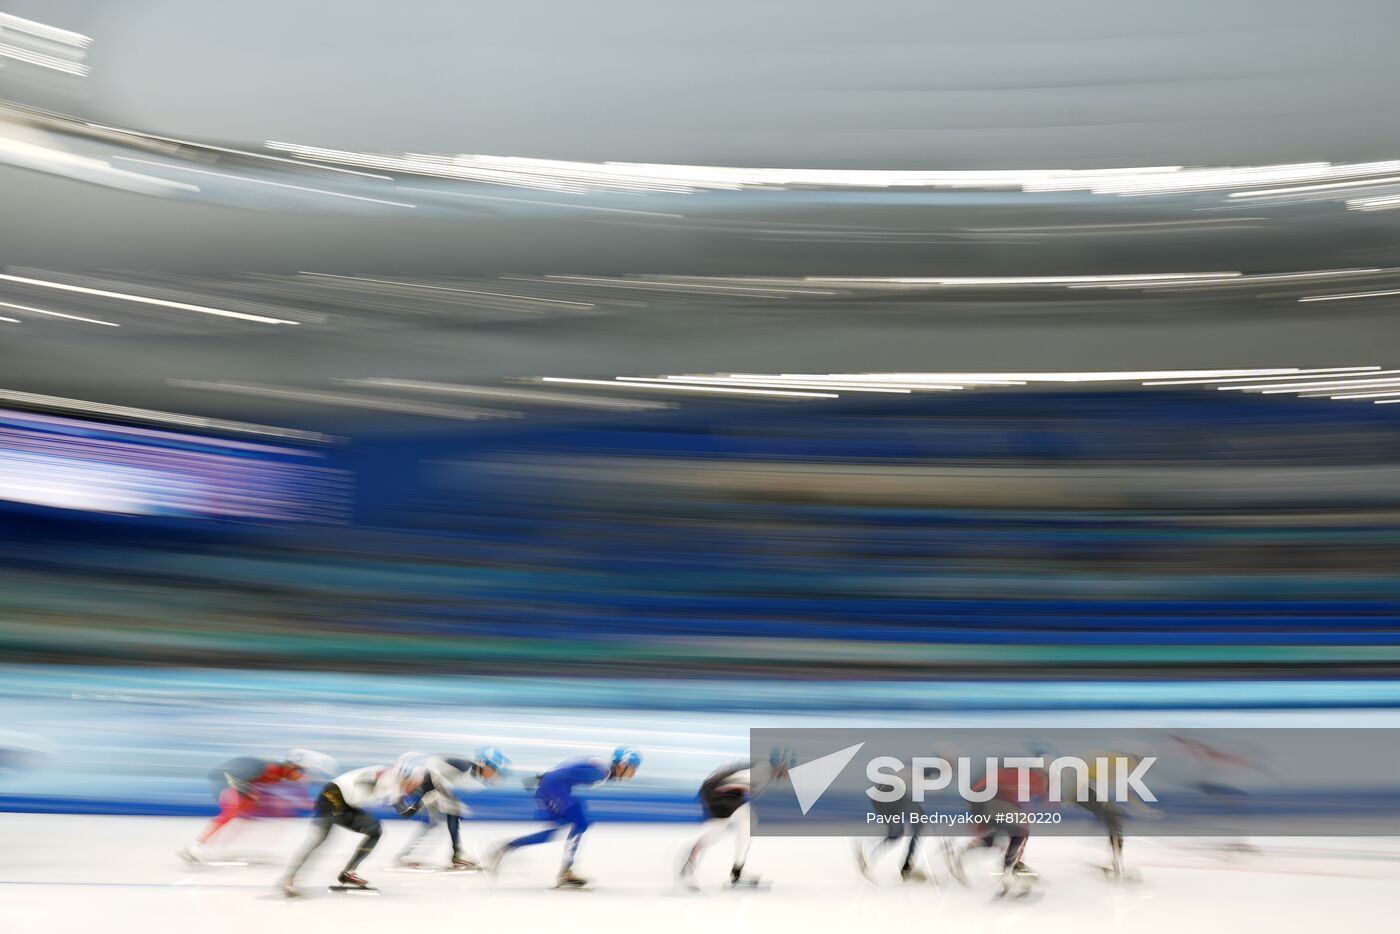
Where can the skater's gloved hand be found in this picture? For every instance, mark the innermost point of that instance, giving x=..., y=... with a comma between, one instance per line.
x=531, y=782
x=409, y=808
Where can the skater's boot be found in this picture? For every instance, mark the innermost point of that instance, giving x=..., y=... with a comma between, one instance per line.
x=1023, y=871
x=567, y=880
x=193, y=854
x=464, y=864
x=912, y=874
x=1015, y=883
x=737, y=877
x=287, y=888
x=349, y=878
x=686, y=877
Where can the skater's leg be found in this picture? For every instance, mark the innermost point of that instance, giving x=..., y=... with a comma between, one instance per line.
x=892, y=835
x=954, y=857
x=950, y=854
x=1015, y=848
x=362, y=823
x=715, y=828
x=231, y=806
x=534, y=839
x=420, y=831
x=909, y=854
x=320, y=829
x=556, y=808
x=577, y=818
x=1111, y=820
x=740, y=820
x=1115, y=840
x=1013, y=873
x=453, y=832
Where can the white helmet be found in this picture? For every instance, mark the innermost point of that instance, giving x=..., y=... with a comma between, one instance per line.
x=312, y=761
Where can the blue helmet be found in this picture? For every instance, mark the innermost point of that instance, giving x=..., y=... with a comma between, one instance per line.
x=626, y=757
x=489, y=757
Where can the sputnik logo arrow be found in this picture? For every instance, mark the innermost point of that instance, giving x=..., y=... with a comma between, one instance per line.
x=810, y=780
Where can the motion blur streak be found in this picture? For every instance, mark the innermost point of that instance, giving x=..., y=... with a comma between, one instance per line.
x=145, y=415
x=29, y=43
x=426, y=419
x=182, y=306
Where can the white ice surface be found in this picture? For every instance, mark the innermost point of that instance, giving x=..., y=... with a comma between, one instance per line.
x=120, y=875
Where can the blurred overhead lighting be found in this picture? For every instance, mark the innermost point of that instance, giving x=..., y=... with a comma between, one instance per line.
x=676, y=387
x=1347, y=295
x=58, y=403
x=42, y=46
x=58, y=314
x=345, y=399
x=520, y=395
x=831, y=385
x=1324, y=373
x=145, y=300
x=583, y=177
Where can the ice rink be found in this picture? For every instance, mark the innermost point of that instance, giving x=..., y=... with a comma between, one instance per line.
x=114, y=875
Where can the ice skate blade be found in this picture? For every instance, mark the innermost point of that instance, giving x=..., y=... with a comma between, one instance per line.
x=571, y=887
x=1123, y=878
x=354, y=889
x=1031, y=881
